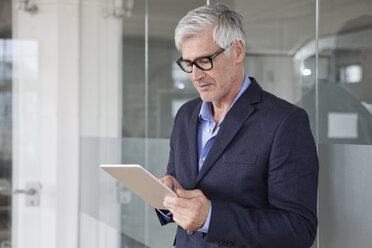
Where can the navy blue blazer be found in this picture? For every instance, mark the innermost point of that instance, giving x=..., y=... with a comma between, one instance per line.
x=261, y=173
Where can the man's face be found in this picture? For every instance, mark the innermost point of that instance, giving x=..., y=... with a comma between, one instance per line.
x=216, y=84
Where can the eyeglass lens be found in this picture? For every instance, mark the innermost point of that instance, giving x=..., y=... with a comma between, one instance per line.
x=201, y=63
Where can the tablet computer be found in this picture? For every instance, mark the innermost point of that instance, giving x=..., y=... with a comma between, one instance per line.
x=141, y=182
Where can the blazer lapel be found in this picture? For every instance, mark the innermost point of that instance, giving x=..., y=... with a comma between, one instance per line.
x=231, y=125
x=194, y=144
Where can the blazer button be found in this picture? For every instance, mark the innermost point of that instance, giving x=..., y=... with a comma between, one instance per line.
x=189, y=232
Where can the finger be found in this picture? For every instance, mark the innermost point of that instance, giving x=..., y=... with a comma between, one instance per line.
x=177, y=186
x=173, y=202
x=178, y=210
x=174, y=185
x=168, y=202
x=171, y=198
x=180, y=215
x=176, y=202
x=181, y=222
x=178, y=221
x=176, y=213
x=188, y=194
x=185, y=221
x=190, y=218
x=167, y=181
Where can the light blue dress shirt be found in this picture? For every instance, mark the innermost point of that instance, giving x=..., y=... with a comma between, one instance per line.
x=206, y=136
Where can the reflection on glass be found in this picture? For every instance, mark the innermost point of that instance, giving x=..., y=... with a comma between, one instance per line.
x=351, y=74
x=348, y=129
x=6, y=125
x=344, y=84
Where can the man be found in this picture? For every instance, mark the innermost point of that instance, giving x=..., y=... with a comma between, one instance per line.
x=242, y=162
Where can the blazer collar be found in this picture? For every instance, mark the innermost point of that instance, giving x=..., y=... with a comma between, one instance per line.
x=232, y=123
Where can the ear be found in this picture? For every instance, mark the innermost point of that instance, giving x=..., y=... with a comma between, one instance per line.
x=240, y=52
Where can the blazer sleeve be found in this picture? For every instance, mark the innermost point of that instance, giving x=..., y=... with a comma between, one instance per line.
x=291, y=218
x=171, y=167
x=170, y=171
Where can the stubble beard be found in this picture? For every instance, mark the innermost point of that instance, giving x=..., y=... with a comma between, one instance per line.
x=206, y=81
x=219, y=95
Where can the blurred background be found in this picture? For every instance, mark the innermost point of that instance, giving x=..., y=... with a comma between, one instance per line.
x=87, y=82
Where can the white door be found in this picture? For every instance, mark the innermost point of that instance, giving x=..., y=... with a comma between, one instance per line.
x=45, y=137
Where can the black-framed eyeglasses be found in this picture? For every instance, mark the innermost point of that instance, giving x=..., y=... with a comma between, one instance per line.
x=203, y=63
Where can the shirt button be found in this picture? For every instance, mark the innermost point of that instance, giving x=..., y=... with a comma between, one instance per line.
x=189, y=232
x=209, y=130
x=203, y=159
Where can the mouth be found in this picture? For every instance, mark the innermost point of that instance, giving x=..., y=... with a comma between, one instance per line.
x=204, y=86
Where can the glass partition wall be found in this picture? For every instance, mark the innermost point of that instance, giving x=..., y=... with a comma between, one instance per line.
x=345, y=123
x=131, y=88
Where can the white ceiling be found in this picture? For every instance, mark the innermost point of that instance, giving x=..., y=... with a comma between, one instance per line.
x=272, y=26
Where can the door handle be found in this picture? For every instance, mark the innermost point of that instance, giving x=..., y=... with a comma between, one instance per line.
x=23, y=191
x=4, y=190
x=32, y=193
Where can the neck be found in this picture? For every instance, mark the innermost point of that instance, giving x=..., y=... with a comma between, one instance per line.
x=220, y=108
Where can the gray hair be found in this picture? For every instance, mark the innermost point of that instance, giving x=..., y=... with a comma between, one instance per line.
x=228, y=25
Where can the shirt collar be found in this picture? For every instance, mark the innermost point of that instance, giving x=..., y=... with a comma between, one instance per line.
x=206, y=108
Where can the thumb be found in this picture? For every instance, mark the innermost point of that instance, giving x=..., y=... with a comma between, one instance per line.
x=177, y=186
x=188, y=194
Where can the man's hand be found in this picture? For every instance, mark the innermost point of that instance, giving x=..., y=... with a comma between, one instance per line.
x=190, y=209
x=171, y=182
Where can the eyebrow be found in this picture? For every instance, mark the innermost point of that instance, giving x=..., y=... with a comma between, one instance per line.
x=197, y=57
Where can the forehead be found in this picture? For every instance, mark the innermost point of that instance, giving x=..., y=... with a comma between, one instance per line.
x=198, y=45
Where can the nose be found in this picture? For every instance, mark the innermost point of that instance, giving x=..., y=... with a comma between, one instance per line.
x=196, y=74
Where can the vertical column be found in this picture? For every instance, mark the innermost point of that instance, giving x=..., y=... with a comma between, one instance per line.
x=101, y=118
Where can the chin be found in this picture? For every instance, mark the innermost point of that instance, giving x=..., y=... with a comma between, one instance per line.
x=205, y=97
x=208, y=98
